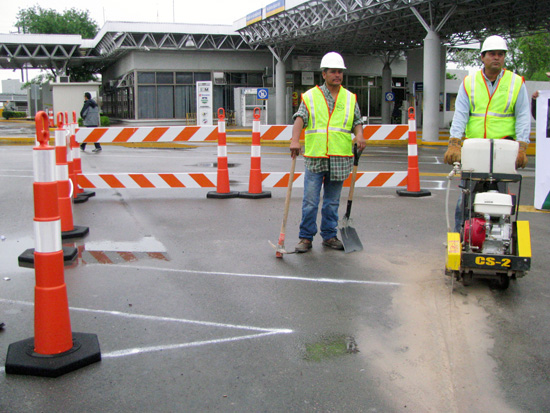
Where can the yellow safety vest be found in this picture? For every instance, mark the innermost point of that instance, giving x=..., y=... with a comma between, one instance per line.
x=492, y=117
x=329, y=134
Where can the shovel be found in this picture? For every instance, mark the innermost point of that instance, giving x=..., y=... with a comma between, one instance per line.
x=280, y=247
x=349, y=236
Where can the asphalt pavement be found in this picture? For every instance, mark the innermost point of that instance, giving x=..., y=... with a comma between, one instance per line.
x=193, y=311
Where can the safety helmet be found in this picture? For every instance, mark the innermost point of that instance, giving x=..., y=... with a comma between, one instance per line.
x=494, y=43
x=332, y=60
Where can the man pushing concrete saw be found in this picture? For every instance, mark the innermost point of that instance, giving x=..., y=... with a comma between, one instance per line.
x=329, y=114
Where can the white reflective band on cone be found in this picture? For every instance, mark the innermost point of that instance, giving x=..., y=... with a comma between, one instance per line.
x=413, y=150
x=221, y=127
x=60, y=137
x=412, y=125
x=73, y=128
x=47, y=236
x=255, y=151
x=76, y=152
x=44, y=165
x=222, y=151
x=62, y=172
x=255, y=126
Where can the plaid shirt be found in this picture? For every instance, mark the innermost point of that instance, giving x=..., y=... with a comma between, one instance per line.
x=339, y=167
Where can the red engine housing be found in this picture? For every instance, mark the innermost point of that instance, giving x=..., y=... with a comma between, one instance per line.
x=477, y=227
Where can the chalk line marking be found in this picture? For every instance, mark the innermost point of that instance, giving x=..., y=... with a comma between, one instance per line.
x=276, y=277
x=263, y=332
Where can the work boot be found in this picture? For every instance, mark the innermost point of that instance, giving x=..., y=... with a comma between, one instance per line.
x=304, y=245
x=334, y=243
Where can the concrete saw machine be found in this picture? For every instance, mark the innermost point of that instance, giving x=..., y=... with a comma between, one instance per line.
x=491, y=243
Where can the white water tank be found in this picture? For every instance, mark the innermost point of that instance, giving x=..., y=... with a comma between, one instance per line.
x=476, y=155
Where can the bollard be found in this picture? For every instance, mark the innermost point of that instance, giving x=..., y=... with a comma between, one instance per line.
x=222, y=182
x=68, y=229
x=413, y=175
x=255, y=182
x=54, y=350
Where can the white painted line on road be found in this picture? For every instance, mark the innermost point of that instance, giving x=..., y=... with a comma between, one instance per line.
x=264, y=332
x=277, y=277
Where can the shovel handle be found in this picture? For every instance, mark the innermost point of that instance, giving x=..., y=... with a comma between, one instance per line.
x=356, y=156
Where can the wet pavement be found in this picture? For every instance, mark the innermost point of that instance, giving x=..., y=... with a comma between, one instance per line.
x=194, y=312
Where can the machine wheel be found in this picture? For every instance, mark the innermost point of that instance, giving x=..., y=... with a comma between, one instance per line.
x=500, y=283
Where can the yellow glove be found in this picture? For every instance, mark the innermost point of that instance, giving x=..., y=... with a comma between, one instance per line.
x=521, y=161
x=453, y=151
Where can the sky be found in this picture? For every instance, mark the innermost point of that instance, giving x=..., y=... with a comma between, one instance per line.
x=179, y=11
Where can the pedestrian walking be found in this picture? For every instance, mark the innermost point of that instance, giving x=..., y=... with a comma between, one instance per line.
x=90, y=118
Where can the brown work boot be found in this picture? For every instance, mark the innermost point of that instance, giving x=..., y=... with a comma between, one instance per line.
x=304, y=245
x=334, y=243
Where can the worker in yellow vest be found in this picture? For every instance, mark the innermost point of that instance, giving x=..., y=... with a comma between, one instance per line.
x=329, y=114
x=491, y=104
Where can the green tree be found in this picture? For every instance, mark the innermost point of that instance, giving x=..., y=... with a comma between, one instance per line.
x=527, y=56
x=37, y=20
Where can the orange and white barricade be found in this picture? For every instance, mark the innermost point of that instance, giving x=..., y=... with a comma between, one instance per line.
x=54, y=350
x=148, y=180
x=148, y=134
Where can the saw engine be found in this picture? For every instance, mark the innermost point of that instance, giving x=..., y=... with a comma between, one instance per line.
x=489, y=231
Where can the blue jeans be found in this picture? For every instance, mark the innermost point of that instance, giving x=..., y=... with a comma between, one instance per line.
x=310, y=205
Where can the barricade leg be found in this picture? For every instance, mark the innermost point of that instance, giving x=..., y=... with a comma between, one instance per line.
x=255, y=182
x=223, y=172
x=413, y=175
x=54, y=350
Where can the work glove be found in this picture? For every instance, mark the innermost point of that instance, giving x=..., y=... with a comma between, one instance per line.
x=521, y=161
x=453, y=151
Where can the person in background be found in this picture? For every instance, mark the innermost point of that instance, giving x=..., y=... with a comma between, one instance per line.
x=90, y=118
x=329, y=114
x=10, y=106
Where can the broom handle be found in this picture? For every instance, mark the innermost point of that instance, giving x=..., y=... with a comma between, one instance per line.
x=288, y=194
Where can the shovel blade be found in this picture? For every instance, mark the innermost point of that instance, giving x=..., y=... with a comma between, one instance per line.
x=350, y=239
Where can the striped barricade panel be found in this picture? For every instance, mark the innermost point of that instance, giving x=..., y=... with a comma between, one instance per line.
x=148, y=180
x=385, y=132
x=363, y=179
x=275, y=132
x=148, y=134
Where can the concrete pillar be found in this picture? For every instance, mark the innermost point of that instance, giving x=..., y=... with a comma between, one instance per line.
x=431, y=81
x=280, y=93
x=386, y=87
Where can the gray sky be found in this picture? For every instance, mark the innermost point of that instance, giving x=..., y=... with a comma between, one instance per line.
x=180, y=11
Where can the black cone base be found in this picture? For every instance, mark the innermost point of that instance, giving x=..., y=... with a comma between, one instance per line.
x=254, y=196
x=219, y=195
x=76, y=232
x=27, y=258
x=415, y=194
x=22, y=359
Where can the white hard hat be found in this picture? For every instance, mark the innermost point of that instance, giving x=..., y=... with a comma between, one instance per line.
x=332, y=60
x=494, y=43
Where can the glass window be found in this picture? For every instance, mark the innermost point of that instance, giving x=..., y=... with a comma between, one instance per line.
x=147, y=102
x=146, y=77
x=255, y=79
x=237, y=78
x=165, y=78
x=184, y=78
x=202, y=77
x=165, y=102
x=184, y=101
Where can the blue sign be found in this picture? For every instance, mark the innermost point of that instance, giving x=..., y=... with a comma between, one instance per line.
x=262, y=93
x=390, y=97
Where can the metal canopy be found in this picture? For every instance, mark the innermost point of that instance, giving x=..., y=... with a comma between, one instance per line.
x=370, y=26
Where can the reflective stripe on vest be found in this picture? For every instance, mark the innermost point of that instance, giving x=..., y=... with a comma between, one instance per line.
x=329, y=134
x=493, y=116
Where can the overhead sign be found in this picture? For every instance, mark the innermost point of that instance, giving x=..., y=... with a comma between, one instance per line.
x=254, y=17
x=274, y=8
x=262, y=93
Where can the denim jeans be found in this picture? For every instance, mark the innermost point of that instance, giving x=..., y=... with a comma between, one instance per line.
x=310, y=205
